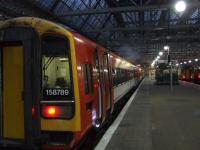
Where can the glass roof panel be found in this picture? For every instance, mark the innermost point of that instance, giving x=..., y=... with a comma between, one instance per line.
x=45, y=3
x=195, y=14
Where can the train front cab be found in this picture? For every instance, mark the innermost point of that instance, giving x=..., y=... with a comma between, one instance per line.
x=39, y=100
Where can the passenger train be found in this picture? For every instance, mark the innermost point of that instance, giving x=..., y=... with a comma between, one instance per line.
x=190, y=73
x=56, y=84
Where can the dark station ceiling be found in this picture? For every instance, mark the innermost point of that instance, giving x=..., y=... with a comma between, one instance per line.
x=135, y=29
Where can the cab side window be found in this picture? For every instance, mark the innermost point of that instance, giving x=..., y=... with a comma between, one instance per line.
x=87, y=72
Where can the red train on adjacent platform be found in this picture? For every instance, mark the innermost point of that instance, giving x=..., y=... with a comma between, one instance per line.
x=190, y=73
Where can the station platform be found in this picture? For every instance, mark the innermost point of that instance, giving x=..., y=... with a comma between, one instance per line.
x=156, y=118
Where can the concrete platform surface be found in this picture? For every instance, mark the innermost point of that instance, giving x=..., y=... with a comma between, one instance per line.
x=160, y=119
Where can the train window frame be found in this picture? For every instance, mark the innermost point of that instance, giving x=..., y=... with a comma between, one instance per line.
x=88, y=79
x=69, y=48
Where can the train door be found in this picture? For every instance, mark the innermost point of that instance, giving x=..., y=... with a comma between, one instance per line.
x=12, y=66
x=100, y=85
x=17, y=120
x=107, y=81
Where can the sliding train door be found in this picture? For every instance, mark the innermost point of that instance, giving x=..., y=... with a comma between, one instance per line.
x=98, y=67
x=13, y=101
x=107, y=81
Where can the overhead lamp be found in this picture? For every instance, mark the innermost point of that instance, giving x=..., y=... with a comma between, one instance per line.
x=118, y=60
x=177, y=64
x=158, y=57
x=181, y=63
x=166, y=47
x=180, y=6
x=189, y=61
x=185, y=62
x=196, y=60
x=160, y=53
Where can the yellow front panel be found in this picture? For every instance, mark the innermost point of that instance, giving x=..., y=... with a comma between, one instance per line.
x=13, y=105
x=73, y=124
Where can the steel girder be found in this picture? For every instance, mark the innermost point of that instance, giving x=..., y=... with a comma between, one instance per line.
x=123, y=9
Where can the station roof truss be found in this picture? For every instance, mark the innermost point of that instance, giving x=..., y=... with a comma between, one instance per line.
x=136, y=29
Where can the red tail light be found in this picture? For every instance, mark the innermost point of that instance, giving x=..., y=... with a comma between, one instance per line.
x=50, y=111
x=199, y=75
x=33, y=110
x=183, y=77
x=57, y=111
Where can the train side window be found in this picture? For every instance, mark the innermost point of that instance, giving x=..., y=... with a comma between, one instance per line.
x=87, y=78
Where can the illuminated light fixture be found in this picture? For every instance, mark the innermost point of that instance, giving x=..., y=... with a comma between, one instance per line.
x=166, y=47
x=118, y=60
x=196, y=60
x=160, y=53
x=189, y=61
x=105, y=70
x=181, y=63
x=158, y=57
x=177, y=65
x=180, y=6
x=185, y=62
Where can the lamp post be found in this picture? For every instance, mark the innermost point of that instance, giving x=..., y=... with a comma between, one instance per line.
x=170, y=63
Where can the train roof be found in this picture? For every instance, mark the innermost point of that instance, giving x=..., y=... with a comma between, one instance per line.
x=43, y=24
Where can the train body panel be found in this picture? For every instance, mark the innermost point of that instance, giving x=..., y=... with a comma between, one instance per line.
x=73, y=83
